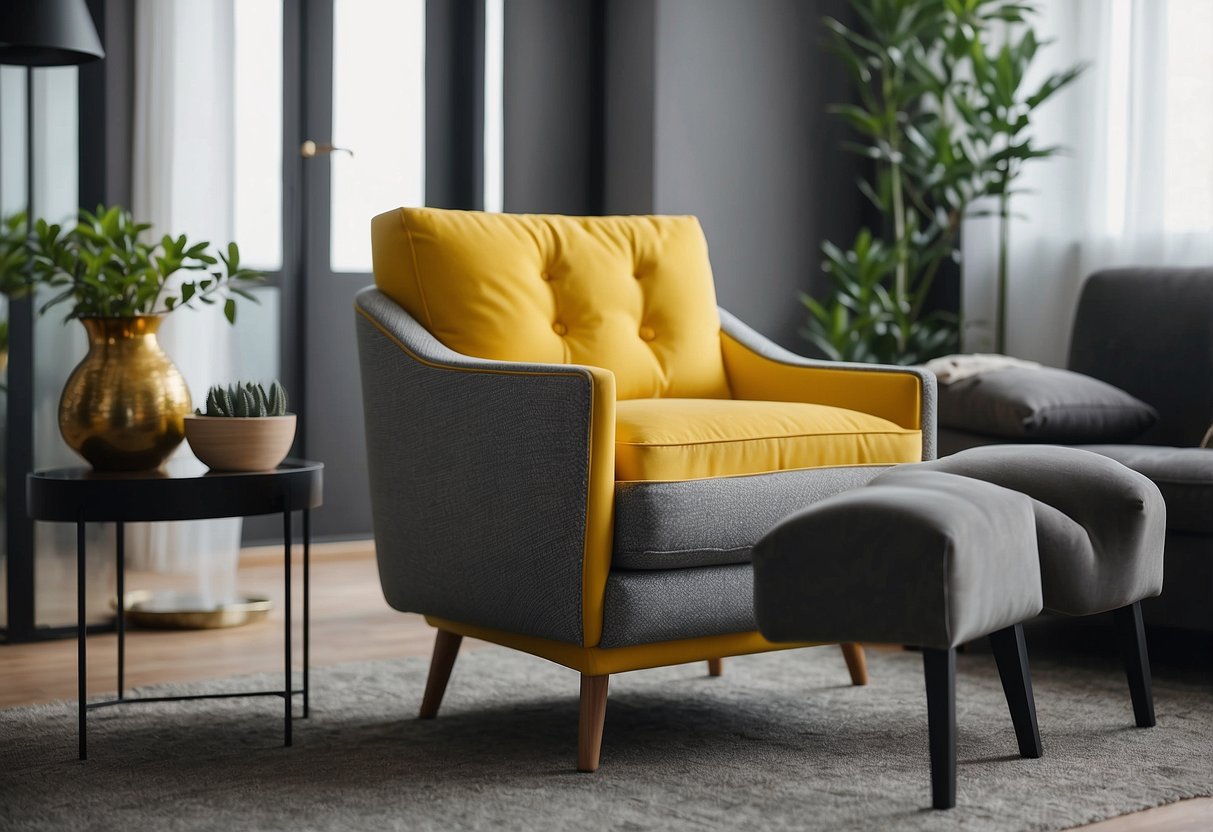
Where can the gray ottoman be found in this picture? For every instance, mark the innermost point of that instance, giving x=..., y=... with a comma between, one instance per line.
x=1100, y=530
x=918, y=557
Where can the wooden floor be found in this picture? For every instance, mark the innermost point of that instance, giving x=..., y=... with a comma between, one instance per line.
x=350, y=622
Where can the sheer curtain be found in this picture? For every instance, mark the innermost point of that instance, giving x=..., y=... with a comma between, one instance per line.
x=1135, y=186
x=183, y=182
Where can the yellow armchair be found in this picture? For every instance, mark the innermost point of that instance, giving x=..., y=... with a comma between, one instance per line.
x=572, y=449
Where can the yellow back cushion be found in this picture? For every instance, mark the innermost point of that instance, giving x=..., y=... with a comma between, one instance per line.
x=633, y=295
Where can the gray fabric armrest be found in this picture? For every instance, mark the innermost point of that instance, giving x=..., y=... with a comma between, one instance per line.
x=761, y=345
x=479, y=478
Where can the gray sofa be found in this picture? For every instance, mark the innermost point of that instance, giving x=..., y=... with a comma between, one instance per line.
x=1149, y=332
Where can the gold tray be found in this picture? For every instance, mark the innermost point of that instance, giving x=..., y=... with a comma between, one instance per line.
x=182, y=611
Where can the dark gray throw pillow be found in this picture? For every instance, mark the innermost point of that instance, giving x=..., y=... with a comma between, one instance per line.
x=1043, y=405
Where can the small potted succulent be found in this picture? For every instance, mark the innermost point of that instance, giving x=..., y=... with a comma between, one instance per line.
x=244, y=428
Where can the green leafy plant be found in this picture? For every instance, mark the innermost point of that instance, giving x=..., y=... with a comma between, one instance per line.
x=245, y=399
x=863, y=322
x=997, y=114
x=15, y=278
x=103, y=268
x=941, y=115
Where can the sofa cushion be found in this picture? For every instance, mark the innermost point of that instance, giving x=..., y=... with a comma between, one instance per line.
x=633, y=295
x=1043, y=405
x=685, y=439
x=1183, y=475
x=714, y=522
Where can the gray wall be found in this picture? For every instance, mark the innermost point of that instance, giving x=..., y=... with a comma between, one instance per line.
x=743, y=141
x=709, y=107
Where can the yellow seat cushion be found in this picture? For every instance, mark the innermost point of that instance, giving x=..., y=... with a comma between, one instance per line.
x=685, y=439
x=633, y=295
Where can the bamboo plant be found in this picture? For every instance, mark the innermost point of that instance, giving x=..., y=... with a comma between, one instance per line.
x=941, y=113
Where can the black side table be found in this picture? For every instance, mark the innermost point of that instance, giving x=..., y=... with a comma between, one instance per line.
x=183, y=490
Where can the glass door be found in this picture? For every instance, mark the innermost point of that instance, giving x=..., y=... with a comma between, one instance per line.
x=363, y=153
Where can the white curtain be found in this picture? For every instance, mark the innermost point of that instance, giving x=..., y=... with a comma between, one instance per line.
x=1135, y=186
x=183, y=182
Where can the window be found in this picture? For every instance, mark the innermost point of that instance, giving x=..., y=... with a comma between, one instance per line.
x=379, y=113
x=494, y=53
x=1188, y=164
x=258, y=140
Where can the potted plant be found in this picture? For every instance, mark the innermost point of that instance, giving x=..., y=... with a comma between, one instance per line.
x=124, y=405
x=244, y=428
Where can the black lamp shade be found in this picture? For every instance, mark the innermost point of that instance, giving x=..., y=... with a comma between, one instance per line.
x=47, y=33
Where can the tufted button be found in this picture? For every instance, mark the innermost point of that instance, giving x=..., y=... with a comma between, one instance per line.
x=559, y=328
x=546, y=276
x=638, y=273
x=647, y=333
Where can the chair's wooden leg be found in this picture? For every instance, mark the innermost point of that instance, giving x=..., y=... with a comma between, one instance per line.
x=1011, y=654
x=939, y=667
x=715, y=667
x=1132, y=636
x=593, y=715
x=446, y=647
x=857, y=662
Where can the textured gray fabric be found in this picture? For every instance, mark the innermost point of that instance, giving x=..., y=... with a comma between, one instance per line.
x=665, y=605
x=917, y=557
x=1043, y=405
x=1100, y=525
x=1187, y=597
x=1183, y=475
x=755, y=342
x=781, y=742
x=1150, y=333
x=478, y=479
x=673, y=525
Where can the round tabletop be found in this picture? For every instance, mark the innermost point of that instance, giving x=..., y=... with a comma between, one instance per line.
x=182, y=490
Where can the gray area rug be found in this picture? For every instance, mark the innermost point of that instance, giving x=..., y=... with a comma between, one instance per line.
x=781, y=741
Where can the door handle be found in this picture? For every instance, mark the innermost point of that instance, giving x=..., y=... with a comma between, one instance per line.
x=310, y=149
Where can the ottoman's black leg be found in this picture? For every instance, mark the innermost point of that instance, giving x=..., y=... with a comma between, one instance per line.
x=1011, y=654
x=1132, y=637
x=939, y=667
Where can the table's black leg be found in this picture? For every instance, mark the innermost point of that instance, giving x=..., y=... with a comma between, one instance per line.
x=81, y=640
x=286, y=688
x=120, y=546
x=940, y=669
x=307, y=604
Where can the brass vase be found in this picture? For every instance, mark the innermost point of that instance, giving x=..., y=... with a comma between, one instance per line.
x=124, y=406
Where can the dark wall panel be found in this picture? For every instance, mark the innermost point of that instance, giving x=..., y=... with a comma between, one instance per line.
x=454, y=103
x=629, y=97
x=550, y=109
